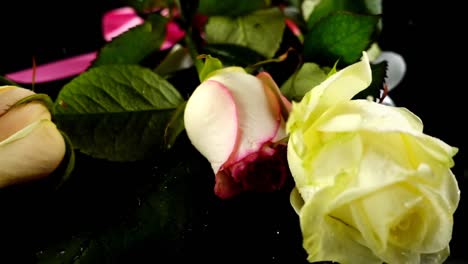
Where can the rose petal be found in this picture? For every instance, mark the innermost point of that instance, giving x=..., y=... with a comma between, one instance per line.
x=31, y=153
x=10, y=94
x=396, y=67
x=339, y=87
x=257, y=122
x=211, y=122
x=118, y=21
x=173, y=34
x=55, y=70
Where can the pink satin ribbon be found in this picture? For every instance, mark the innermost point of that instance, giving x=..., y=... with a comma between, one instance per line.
x=114, y=23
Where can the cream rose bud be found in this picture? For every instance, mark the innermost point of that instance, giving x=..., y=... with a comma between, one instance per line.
x=233, y=119
x=31, y=147
x=371, y=186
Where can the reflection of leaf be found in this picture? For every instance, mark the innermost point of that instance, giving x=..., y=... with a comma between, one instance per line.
x=134, y=45
x=153, y=226
x=303, y=81
x=261, y=31
x=116, y=112
x=352, y=34
x=230, y=7
x=379, y=73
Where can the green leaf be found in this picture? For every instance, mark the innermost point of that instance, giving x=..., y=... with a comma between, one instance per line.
x=231, y=7
x=309, y=76
x=260, y=31
x=116, y=112
x=234, y=55
x=211, y=64
x=177, y=59
x=5, y=81
x=379, y=73
x=148, y=5
x=134, y=45
x=175, y=126
x=327, y=7
x=333, y=69
x=67, y=165
x=341, y=36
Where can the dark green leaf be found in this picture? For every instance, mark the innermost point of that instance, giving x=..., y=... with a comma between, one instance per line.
x=175, y=126
x=303, y=81
x=327, y=7
x=116, y=112
x=260, y=31
x=231, y=54
x=67, y=165
x=341, y=36
x=148, y=5
x=134, y=45
x=231, y=7
x=177, y=59
x=379, y=73
x=5, y=81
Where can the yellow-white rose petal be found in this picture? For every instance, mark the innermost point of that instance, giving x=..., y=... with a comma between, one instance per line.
x=31, y=153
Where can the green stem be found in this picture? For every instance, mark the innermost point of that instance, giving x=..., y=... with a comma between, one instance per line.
x=192, y=48
x=193, y=52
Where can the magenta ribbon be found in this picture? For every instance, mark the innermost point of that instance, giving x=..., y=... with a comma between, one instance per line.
x=114, y=23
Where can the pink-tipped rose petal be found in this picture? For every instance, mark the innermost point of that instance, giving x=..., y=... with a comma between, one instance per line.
x=211, y=122
x=257, y=123
x=272, y=91
x=55, y=70
x=118, y=21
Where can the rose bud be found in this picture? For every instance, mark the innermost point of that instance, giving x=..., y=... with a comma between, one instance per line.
x=31, y=147
x=234, y=119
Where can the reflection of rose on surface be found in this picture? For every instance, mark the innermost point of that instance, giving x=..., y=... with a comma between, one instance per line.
x=371, y=186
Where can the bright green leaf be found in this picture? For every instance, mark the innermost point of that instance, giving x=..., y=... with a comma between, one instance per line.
x=328, y=7
x=260, y=31
x=231, y=7
x=341, y=36
x=333, y=70
x=379, y=73
x=303, y=81
x=116, y=112
x=134, y=45
x=211, y=64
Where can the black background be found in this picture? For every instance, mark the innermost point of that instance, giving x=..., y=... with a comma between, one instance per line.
x=50, y=30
